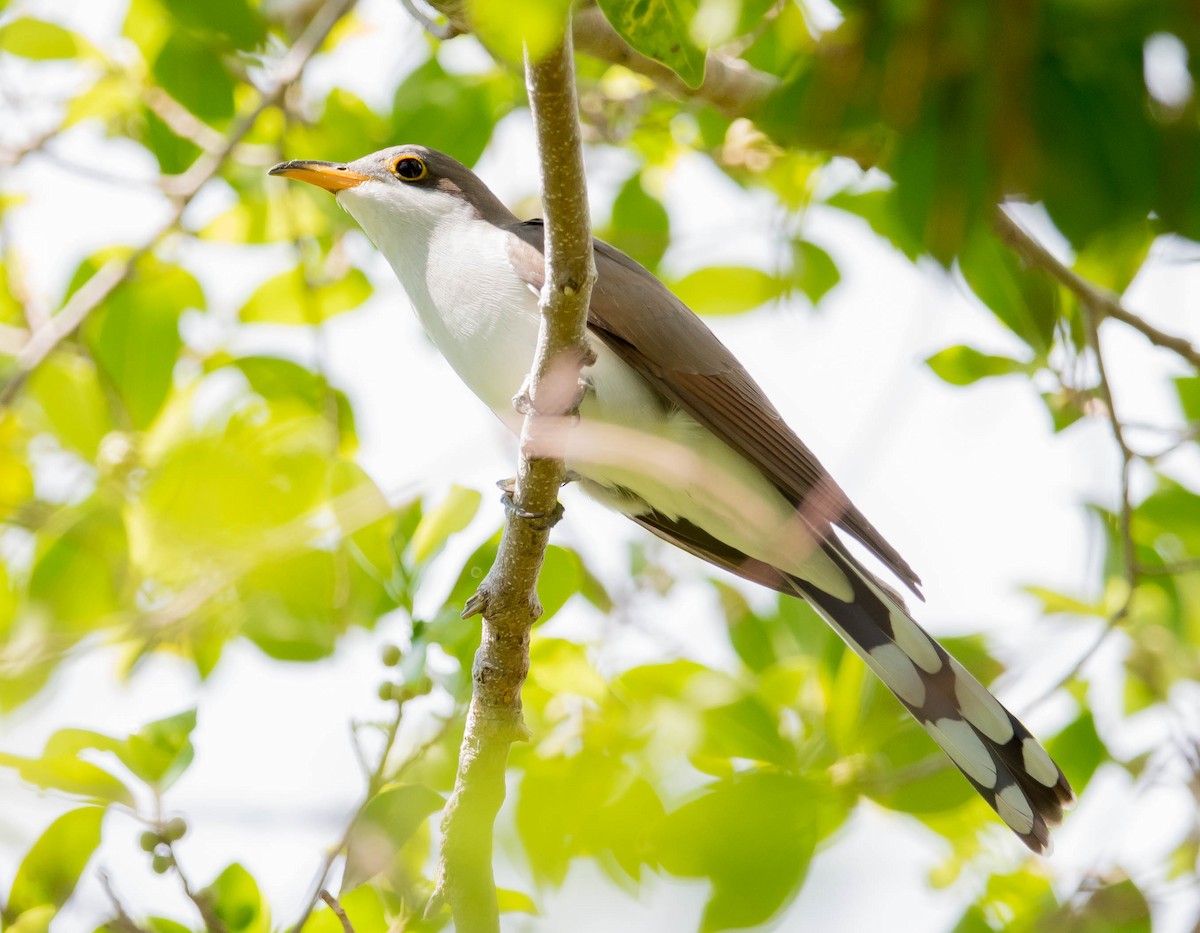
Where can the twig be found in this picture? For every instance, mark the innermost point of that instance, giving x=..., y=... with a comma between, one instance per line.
x=332, y=901
x=184, y=188
x=122, y=921
x=202, y=900
x=438, y=30
x=1099, y=300
x=507, y=597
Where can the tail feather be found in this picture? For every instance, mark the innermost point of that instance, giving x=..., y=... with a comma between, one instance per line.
x=988, y=744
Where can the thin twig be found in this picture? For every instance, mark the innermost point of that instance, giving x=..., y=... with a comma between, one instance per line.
x=122, y=921
x=332, y=901
x=1100, y=300
x=438, y=30
x=184, y=188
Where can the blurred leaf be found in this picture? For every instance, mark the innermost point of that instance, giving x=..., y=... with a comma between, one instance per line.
x=364, y=907
x=237, y=902
x=1114, y=908
x=538, y=28
x=1079, y=751
x=721, y=290
x=348, y=127
x=1054, y=603
x=514, y=902
x=69, y=774
x=878, y=209
x=752, y=836
x=233, y=21
x=815, y=272
x=961, y=365
x=135, y=334
x=80, y=575
x=560, y=579
x=195, y=76
x=457, y=113
x=290, y=298
x=39, y=40
x=746, y=729
x=66, y=389
x=50, y=870
x=160, y=751
x=450, y=516
x=384, y=826
x=1025, y=300
x=660, y=29
x=175, y=155
x=640, y=225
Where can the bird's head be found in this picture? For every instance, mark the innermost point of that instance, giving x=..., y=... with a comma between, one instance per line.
x=400, y=186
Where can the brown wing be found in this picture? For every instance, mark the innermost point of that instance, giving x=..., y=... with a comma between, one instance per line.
x=670, y=346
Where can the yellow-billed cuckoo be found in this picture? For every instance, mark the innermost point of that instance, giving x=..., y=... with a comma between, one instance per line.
x=682, y=441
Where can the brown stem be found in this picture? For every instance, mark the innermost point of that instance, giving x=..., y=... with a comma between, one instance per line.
x=507, y=598
x=1100, y=300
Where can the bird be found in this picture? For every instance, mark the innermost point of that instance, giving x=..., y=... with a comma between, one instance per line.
x=673, y=432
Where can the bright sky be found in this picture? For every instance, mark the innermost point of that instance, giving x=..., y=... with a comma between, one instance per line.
x=969, y=484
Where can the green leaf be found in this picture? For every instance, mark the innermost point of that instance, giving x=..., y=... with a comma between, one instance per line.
x=660, y=29
x=745, y=729
x=640, y=225
x=386, y=823
x=194, y=75
x=815, y=272
x=962, y=365
x=160, y=751
x=233, y=21
x=237, y=902
x=135, y=334
x=1025, y=300
x=879, y=210
x=50, y=870
x=39, y=40
x=752, y=837
x=69, y=774
x=722, y=290
x=66, y=389
x=450, y=516
x=560, y=579
x=1079, y=751
x=79, y=578
x=290, y=298
x=514, y=902
x=538, y=27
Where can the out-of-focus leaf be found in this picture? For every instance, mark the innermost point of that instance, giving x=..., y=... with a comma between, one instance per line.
x=456, y=113
x=560, y=579
x=39, y=40
x=173, y=153
x=1079, y=751
x=962, y=365
x=280, y=380
x=720, y=290
x=160, y=751
x=348, y=128
x=79, y=577
x=815, y=272
x=234, y=21
x=660, y=29
x=69, y=774
x=1025, y=300
x=50, y=870
x=878, y=209
x=752, y=836
x=67, y=391
x=196, y=77
x=449, y=517
x=384, y=826
x=538, y=28
x=515, y=902
x=1064, y=407
x=237, y=902
x=640, y=225
x=290, y=298
x=745, y=729
x=1054, y=603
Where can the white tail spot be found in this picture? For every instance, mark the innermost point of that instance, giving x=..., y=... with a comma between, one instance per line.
x=1014, y=809
x=897, y=670
x=959, y=741
x=980, y=708
x=913, y=642
x=1039, y=765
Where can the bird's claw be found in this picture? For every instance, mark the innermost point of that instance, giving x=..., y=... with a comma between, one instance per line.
x=542, y=520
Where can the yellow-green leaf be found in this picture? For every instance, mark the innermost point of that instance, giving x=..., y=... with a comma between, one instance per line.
x=451, y=516
x=51, y=869
x=721, y=290
x=290, y=298
x=39, y=40
x=660, y=29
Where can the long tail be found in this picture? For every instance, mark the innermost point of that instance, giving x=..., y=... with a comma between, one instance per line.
x=990, y=746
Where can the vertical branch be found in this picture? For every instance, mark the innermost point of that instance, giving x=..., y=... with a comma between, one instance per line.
x=507, y=597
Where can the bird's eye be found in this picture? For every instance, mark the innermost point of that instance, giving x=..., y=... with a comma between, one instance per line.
x=410, y=168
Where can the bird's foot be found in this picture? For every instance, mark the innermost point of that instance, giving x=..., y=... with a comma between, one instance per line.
x=542, y=520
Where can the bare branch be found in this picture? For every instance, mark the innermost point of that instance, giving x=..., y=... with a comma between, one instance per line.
x=438, y=30
x=1091, y=296
x=122, y=922
x=508, y=595
x=184, y=187
x=332, y=901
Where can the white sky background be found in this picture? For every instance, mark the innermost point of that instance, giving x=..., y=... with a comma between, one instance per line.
x=970, y=485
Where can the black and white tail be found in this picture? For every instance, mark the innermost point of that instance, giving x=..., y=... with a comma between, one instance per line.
x=990, y=746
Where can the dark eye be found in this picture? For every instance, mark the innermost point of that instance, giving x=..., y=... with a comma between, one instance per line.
x=410, y=168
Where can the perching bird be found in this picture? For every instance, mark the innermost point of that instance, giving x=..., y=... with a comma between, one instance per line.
x=674, y=433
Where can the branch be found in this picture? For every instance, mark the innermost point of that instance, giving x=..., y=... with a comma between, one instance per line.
x=507, y=598
x=185, y=187
x=1099, y=300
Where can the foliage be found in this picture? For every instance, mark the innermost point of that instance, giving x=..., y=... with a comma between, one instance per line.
x=172, y=493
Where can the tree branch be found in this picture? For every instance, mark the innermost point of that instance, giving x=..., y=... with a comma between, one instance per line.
x=1099, y=300
x=507, y=598
x=184, y=188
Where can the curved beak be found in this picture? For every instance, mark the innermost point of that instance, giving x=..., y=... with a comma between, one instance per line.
x=328, y=175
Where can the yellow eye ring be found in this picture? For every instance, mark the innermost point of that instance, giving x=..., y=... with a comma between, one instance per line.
x=409, y=168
